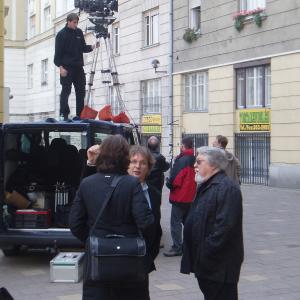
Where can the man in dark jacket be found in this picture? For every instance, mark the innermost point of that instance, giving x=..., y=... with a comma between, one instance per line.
x=69, y=48
x=213, y=236
x=182, y=187
x=156, y=177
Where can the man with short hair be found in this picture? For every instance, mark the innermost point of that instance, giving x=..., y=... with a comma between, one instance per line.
x=156, y=177
x=69, y=48
x=182, y=187
x=213, y=235
x=233, y=169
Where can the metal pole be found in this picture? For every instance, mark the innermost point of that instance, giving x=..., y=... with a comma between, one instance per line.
x=170, y=72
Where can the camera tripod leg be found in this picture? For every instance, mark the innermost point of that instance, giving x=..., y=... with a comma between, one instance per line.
x=92, y=73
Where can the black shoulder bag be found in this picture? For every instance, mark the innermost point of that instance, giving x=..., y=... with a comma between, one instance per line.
x=114, y=258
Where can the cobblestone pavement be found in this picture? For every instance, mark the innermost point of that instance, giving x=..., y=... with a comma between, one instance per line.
x=271, y=269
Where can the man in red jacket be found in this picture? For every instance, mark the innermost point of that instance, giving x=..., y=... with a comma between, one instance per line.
x=182, y=187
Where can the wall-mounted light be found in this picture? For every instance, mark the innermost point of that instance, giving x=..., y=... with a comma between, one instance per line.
x=155, y=64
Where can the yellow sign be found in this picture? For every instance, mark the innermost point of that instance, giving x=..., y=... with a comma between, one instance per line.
x=255, y=120
x=151, y=120
x=151, y=124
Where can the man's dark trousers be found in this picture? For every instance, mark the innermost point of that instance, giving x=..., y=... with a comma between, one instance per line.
x=213, y=290
x=77, y=77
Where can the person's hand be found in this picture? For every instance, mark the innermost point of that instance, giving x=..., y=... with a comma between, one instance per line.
x=62, y=71
x=92, y=154
x=96, y=45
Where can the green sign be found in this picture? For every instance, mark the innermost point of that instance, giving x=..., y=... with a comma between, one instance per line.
x=255, y=120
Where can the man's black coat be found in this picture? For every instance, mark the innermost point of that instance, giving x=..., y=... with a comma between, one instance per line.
x=156, y=177
x=213, y=238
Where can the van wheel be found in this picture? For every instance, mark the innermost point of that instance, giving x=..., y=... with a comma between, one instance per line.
x=13, y=251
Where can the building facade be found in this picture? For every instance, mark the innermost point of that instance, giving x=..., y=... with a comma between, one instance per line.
x=236, y=73
x=138, y=36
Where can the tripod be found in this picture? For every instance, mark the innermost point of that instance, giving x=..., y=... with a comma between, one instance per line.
x=111, y=70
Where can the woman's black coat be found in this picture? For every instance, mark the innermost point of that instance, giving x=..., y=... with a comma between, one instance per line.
x=213, y=237
x=155, y=199
x=126, y=212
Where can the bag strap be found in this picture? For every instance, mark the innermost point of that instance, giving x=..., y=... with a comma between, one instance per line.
x=113, y=186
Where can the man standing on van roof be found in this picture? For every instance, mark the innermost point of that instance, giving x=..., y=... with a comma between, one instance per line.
x=69, y=47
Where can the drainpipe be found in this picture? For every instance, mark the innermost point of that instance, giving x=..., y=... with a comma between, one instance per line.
x=170, y=72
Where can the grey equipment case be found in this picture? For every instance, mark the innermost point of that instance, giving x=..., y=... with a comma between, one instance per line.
x=67, y=267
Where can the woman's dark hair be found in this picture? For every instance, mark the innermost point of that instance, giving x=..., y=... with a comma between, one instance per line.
x=113, y=156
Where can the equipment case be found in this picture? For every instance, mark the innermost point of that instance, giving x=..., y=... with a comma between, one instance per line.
x=67, y=267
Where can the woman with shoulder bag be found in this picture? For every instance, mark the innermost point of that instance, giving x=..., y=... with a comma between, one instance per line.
x=126, y=213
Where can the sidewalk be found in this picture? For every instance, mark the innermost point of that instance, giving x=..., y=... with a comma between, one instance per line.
x=271, y=269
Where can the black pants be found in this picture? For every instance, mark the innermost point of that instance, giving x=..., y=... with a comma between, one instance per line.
x=213, y=290
x=77, y=77
x=136, y=291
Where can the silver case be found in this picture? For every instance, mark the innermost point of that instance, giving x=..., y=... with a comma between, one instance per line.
x=67, y=267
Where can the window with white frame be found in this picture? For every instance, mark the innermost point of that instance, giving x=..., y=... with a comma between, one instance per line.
x=44, y=72
x=195, y=18
x=113, y=99
x=31, y=7
x=252, y=4
x=253, y=86
x=30, y=76
x=151, y=96
x=151, y=27
x=196, y=94
x=116, y=38
x=31, y=31
x=46, y=21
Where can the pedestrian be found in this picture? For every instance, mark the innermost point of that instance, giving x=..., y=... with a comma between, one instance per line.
x=233, y=169
x=141, y=162
x=126, y=213
x=213, y=238
x=182, y=187
x=156, y=177
x=69, y=48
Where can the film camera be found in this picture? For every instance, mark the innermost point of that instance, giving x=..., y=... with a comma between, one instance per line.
x=101, y=14
x=90, y=6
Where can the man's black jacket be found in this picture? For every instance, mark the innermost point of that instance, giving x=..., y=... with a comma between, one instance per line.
x=156, y=176
x=69, y=47
x=213, y=236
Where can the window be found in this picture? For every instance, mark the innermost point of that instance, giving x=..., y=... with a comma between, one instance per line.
x=151, y=25
x=116, y=39
x=195, y=18
x=46, y=17
x=252, y=4
x=44, y=74
x=114, y=100
x=151, y=96
x=31, y=6
x=253, y=86
x=31, y=31
x=196, y=95
x=30, y=76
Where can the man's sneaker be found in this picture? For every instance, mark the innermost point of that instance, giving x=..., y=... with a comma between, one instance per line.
x=173, y=252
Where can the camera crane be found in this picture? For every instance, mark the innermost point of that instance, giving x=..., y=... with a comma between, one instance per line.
x=101, y=14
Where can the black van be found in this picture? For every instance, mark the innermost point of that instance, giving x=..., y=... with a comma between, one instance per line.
x=40, y=169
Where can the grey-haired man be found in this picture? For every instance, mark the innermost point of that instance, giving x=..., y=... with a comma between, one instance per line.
x=213, y=237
